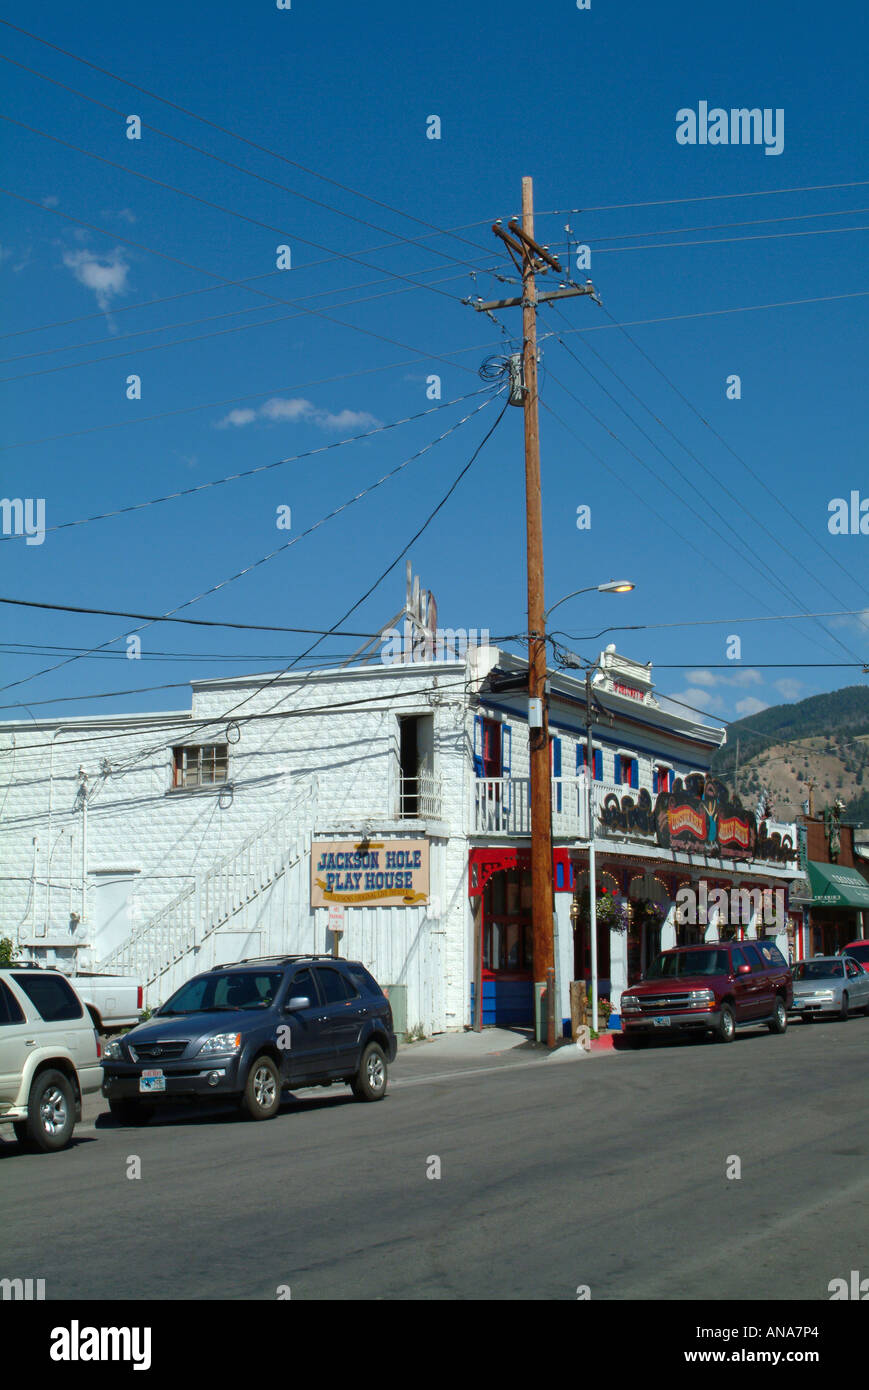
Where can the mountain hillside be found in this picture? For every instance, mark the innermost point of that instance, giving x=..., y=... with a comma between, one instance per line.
x=823, y=740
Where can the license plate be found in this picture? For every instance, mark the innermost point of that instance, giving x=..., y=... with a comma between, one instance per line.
x=152, y=1081
x=662, y=1022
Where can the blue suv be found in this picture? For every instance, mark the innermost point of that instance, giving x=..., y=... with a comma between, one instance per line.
x=252, y=1029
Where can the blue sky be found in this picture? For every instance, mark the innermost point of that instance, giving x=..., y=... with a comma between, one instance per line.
x=586, y=102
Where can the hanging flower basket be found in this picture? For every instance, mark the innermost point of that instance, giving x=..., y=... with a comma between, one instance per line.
x=609, y=911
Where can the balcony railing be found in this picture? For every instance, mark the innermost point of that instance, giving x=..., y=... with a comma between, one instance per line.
x=501, y=806
x=419, y=798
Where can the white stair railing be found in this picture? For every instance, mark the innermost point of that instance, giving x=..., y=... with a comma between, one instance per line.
x=213, y=898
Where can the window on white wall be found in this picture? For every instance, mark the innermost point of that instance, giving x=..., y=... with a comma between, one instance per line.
x=199, y=765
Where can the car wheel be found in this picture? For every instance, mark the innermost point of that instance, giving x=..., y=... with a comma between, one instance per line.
x=843, y=1012
x=726, y=1030
x=262, y=1092
x=130, y=1112
x=779, y=1020
x=50, y=1112
x=370, y=1080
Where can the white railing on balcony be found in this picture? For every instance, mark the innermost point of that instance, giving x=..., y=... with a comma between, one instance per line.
x=501, y=806
x=420, y=797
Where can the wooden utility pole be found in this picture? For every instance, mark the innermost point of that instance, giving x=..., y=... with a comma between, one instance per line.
x=542, y=900
x=529, y=257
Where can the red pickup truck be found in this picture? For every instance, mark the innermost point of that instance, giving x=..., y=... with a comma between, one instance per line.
x=714, y=988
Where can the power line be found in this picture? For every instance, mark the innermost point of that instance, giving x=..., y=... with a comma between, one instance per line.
x=265, y=558
x=164, y=618
x=264, y=149
x=722, y=240
x=737, y=501
x=719, y=226
x=227, y=314
x=230, y=714
x=186, y=723
x=704, y=198
x=189, y=265
x=249, y=396
x=751, y=472
x=260, y=468
x=681, y=498
x=731, y=622
x=239, y=168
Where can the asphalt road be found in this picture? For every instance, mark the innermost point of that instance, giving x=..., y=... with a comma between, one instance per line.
x=609, y=1172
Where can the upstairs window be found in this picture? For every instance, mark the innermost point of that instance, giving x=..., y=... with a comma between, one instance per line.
x=662, y=779
x=627, y=770
x=488, y=760
x=582, y=758
x=200, y=765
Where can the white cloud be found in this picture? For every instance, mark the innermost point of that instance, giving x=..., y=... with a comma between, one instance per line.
x=698, y=698
x=346, y=419
x=50, y=201
x=296, y=409
x=788, y=688
x=744, y=675
x=860, y=621
x=237, y=417
x=105, y=275
x=750, y=705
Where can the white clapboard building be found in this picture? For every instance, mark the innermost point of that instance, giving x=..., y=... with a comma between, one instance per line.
x=387, y=799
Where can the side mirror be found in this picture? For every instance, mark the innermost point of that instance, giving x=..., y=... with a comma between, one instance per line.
x=298, y=1001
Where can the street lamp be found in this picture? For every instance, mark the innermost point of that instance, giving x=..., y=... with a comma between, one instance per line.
x=614, y=586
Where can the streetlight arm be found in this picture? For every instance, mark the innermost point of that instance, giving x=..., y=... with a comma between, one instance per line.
x=587, y=590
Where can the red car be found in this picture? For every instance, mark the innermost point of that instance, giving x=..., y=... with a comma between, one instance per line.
x=857, y=950
x=714, y=988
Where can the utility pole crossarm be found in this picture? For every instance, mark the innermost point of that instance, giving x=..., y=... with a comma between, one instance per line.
x=542, y=298
x=539, y=251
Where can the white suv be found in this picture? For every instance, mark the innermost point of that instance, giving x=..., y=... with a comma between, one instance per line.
x=49, y=1056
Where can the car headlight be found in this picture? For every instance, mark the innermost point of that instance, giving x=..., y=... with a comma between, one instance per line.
x=220, y=1043
x=113, y=1051
x=630, y=1004
x=701, y=996
x=824, y=994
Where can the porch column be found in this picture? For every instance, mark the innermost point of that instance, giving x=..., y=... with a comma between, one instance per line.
x=618, y=972
x=668, y=929
x=563, y=959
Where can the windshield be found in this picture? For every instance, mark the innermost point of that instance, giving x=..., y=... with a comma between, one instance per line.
x=818, y=970
x=860, y=953
x=218, y=992
x=674, y=964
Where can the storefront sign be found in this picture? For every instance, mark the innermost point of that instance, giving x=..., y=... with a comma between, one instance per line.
x=697, y=816
x=621, y=689
x=386, y=872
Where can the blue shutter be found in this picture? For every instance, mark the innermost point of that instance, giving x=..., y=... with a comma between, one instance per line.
x=598, y=764
x=580, y=758
x=507, y=764
x=654, y=781
x=478, y=745
x=635, y=772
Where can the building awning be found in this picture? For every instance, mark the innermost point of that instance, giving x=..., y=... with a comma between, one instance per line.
x=836, y=885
